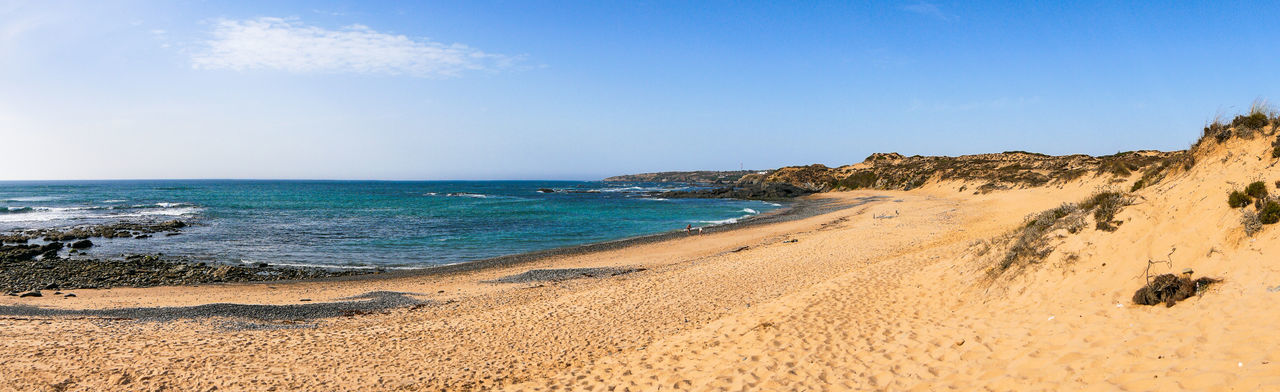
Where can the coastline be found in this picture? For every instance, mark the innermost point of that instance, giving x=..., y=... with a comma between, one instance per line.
x=867, y=290
x=799, y=208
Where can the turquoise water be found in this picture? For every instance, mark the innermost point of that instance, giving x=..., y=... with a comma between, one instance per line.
x=361, y=224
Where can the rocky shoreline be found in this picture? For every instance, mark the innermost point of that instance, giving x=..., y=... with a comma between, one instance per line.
x=27, y=268
x=766, y=191
x=55, y=267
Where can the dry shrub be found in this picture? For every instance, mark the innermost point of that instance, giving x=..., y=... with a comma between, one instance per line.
x=1252, y=225
x=1153, y=175
x=1168, y=289
x=1105, y=205
x=1030, y=243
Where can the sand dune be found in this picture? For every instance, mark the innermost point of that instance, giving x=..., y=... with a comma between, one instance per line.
x=895, y=294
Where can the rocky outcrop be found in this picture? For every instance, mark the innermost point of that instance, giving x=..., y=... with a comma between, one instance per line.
x=772, y=191
x=688, y=177
x=21, y=271
x=30, y=266
x=115, y=230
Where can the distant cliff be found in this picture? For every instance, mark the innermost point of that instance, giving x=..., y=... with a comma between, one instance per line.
x=979, y=173
x=1014, y=169
x=691, y=177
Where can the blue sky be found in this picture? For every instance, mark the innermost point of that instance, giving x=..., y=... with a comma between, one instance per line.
x=583, y=90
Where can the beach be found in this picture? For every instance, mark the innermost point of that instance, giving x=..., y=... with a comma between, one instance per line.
x=894, y=291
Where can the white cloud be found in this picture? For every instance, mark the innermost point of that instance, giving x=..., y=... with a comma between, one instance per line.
x=289, y=45
x=927, y=9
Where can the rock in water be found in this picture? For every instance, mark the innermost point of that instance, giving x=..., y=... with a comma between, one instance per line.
x=82, y=244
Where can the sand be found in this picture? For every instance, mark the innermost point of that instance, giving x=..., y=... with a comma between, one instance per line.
x=894, y=294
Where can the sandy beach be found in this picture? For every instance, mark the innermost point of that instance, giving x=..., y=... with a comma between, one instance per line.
x=894, y=292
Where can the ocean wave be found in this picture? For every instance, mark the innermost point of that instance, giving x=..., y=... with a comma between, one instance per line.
x=21, y=210
x=640, y=189
x=323, y=265
x=723, y=221
x=33, y=198
x=654, y=198
x=774, y=204
x=114, y=201
x=750, y=211
x=476, y=195
x=45, y=214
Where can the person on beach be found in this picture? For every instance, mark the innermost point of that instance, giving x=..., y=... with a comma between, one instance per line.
x=688, y=229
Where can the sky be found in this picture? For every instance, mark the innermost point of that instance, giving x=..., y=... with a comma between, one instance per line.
x=583, y=90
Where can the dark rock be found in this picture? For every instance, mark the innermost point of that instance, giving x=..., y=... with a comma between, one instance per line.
x=34, y=293
x=562, y=274
x=82, y=244
x=769, y=191
x=137, y=271
x=546, y=190
x=69, y=295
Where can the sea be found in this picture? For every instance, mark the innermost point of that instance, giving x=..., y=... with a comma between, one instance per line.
x=362, y=224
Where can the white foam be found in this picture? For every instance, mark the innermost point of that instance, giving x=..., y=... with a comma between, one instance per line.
x=320, y=265
x=114, y=201
x=172, y=211
x=35, y=198
x=750, y=211
x=638, y=189
x=721, y=222
x=45, y=214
